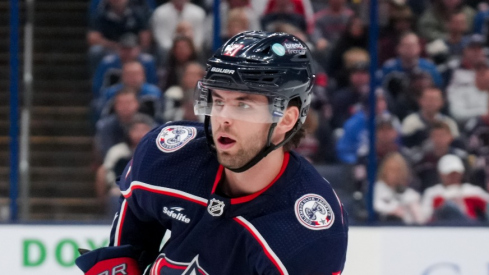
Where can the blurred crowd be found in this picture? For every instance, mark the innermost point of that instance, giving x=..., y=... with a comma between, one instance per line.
x=432, y=92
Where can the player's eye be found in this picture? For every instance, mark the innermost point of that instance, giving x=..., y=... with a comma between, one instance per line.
x=218, y=102
x=244, y=106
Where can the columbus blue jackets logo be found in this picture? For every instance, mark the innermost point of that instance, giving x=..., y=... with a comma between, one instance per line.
x=163, y=265
x=172, y=138
x=314, y=212
x=216, y=207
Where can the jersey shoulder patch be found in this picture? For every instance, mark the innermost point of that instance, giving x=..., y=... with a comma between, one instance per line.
x=175, y=137
x=314, y=212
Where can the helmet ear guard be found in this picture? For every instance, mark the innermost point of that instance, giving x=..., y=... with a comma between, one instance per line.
x=277, y=65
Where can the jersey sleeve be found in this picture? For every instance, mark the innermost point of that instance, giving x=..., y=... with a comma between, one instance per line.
x=133, y=226
x=325, y=256
x=138, y=222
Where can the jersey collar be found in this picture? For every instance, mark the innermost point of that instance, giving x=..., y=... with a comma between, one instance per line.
x=250, y=197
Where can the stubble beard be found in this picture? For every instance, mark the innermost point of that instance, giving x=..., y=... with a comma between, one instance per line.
x=238, y=159
x=243, y=155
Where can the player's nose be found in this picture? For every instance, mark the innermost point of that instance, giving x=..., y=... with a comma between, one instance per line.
x=225, y=116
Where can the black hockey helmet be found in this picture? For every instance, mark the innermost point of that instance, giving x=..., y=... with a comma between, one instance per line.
x=276, y=65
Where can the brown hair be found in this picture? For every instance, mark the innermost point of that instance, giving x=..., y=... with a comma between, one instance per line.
x=440, y=125
x=404, y=170
x=296, y=138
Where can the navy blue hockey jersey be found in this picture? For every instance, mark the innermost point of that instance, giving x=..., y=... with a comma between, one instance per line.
x=295, y=225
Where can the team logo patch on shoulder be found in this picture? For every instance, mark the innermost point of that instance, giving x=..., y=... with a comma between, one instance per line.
x=314, y=212
x=173, y=138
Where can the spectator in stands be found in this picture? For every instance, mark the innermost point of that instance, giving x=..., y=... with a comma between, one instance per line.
x=109, y=70
x=408, y=60
x=350, y=58
x=401, y=20
x=456, y=38
x=179, y=98
x=301, y=7
x=465, y=99
x=252, y=18
x=354, y=140
x=111, y=21
x=147, y=5
x=355, y=36
x=185, y=28
x=344, y=100
x=482, y=74
x=452, y=200
x=331, y=23
x=238, y=22
x=110, y=130
x=283, y=12
x=416, y=126
x=387, y=141
x=181, y=53
x=116, y=160
x=402, y=95
x=433, y=23
x=167, y=16
x=394, y=200
x=481, y=21
x=133, y=76
x=439, y=143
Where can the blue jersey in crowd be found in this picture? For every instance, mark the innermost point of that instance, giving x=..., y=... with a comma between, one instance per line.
x=395, y=65
x=109, y=70
x=296, y=225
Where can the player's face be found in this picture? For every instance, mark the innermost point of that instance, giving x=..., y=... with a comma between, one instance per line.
x=238, y=140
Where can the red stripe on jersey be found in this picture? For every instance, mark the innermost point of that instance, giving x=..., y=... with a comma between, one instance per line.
x=264, y=245
x=254, y=195
x=218, y=178
x=162, y=192
x=153, y=269
x=172, y=266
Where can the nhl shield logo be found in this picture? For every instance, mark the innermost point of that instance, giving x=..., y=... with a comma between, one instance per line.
x=173, y=138
x=314, y=212
x=216, y=207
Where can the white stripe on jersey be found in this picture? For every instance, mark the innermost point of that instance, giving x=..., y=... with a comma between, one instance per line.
x=122, y=214
x=257, y=234
x=152, y=188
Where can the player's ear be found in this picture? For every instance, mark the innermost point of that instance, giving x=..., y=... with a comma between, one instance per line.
x=290, y=117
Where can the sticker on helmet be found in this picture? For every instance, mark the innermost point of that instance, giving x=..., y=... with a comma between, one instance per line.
x=314, y=212
x=278, y=49
x=173, y=138
x=295, y=48
x=232, y=50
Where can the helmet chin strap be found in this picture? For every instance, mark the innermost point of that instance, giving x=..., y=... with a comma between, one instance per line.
x=269, y=147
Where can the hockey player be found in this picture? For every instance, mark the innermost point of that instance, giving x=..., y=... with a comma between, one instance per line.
x=233, y=195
